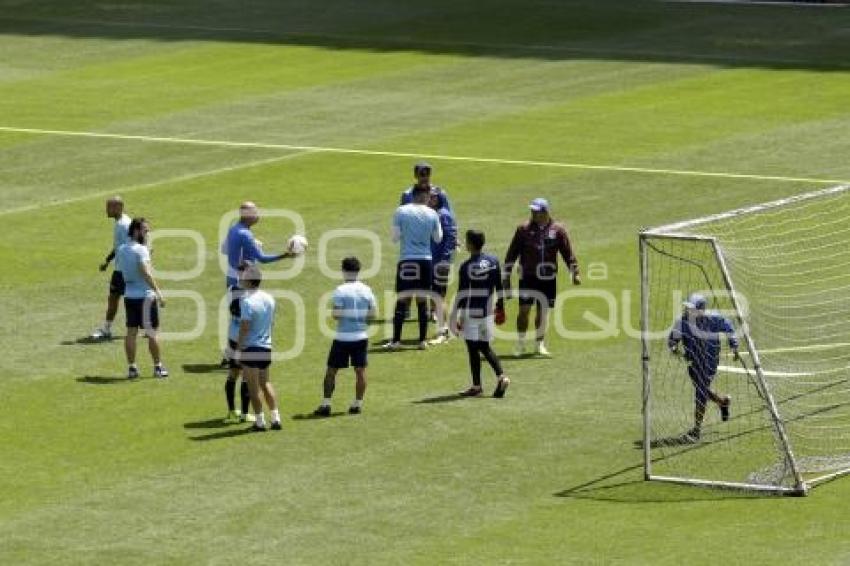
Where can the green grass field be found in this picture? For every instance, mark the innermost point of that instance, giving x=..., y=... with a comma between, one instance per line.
x=94, y=469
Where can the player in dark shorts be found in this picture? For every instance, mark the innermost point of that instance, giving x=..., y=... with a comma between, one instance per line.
x=415, y=226
x=699, y=331
x=537, y=244
x=256, y=321
x=353, y=306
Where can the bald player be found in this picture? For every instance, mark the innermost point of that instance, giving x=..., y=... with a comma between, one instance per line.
x=120, y=236
x=242, y=248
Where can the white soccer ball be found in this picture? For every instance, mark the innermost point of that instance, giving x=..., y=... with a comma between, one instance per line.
x=297, y=244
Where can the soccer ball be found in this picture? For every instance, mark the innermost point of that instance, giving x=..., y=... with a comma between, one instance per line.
x=297, y=244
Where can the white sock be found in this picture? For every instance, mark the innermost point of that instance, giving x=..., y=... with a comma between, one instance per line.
x=357, y=403
x=107, y=325
x=326, y=402
x=261, y=420
x=133, y=366
x=275, y=415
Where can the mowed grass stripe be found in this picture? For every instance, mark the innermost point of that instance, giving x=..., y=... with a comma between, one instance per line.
x=493, y=160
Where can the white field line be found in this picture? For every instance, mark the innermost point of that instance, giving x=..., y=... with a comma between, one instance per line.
x=122, y=190
x=809, y=348
x=409, y=43
x=354, y=151
x=732, y=369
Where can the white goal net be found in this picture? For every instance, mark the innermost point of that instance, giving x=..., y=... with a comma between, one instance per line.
x=779, y=273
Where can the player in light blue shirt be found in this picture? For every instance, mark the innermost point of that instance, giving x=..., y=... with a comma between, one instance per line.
x=142, y=298
x=256, y=323
x=353, y=306
x=120, y=236
x=415, y=226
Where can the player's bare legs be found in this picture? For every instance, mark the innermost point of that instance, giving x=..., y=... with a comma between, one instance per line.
x=130, y=346
x=541, y=324
x=359, y=390
x=522, y=327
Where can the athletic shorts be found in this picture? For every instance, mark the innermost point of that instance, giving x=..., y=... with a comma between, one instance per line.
x=702, y=384
x=232, y=362
x=477, y=329
x=413, y=275
x=253, y=357
x=142, y=313
x=440, y=279
x=533, y=289
x=116, y=284
x=343, y=352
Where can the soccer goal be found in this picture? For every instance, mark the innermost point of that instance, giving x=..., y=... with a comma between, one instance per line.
x=780, y=273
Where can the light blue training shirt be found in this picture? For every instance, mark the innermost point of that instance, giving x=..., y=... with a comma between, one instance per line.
x=129, y=260
x=258, y=308
x=415, y=226
x=355, y=299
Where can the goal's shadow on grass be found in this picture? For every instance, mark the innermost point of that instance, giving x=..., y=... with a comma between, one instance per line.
x=628, y=486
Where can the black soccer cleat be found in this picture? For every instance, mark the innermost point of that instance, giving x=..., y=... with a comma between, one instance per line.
x=256, y=428
x=276, y=426
x=322, y=411
x=352, y=410
x=501, y=387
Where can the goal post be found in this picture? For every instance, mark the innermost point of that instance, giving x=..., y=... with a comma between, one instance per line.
x=779, y=273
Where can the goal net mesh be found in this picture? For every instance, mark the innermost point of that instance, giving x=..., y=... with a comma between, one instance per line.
x=789, y=265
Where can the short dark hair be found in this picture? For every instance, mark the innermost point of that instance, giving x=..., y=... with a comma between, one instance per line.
x=135, y=226
x=418, y=191
x=475, y=238
x=252, y=275
x=351, y=265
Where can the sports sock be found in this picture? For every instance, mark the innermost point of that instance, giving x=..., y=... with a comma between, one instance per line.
x=357, y=403
x=491, y=357
x=422, y=309
x=326, y=402
x=230, y=394
x=261, y=420
x=107, y=325
x=474, y=362
x=398, y=321
x=245, y=396
x=275, y=413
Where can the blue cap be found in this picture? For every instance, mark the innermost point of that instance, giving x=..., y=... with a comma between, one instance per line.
x=695, y=301
x=539, y=205
x=422, y=165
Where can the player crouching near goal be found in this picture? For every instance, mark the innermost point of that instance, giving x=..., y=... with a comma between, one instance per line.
x=256, y=321
x=699, y=331
x=353, y=306
x=480, y=279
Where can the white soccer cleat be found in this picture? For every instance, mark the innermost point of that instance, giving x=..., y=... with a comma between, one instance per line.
x=542, y=351
x=391, y=346
x=101, y=334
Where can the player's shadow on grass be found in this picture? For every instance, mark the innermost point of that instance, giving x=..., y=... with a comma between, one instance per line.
x=211, y=423
x=408, y=345
x=228, y=433
x=312, y=417
x=89, y=341
x=203, y=368
x=450, y=398
x=104, y=380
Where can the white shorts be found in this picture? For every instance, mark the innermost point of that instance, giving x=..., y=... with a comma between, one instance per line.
x=478, y=329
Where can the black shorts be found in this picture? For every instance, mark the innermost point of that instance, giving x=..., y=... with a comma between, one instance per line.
x=142, y=313
x=533, y=289
x=258, y=358
x=440, y=280
x=232, y=362
x=116, y=284
x=341, y=352
x=413, y=275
